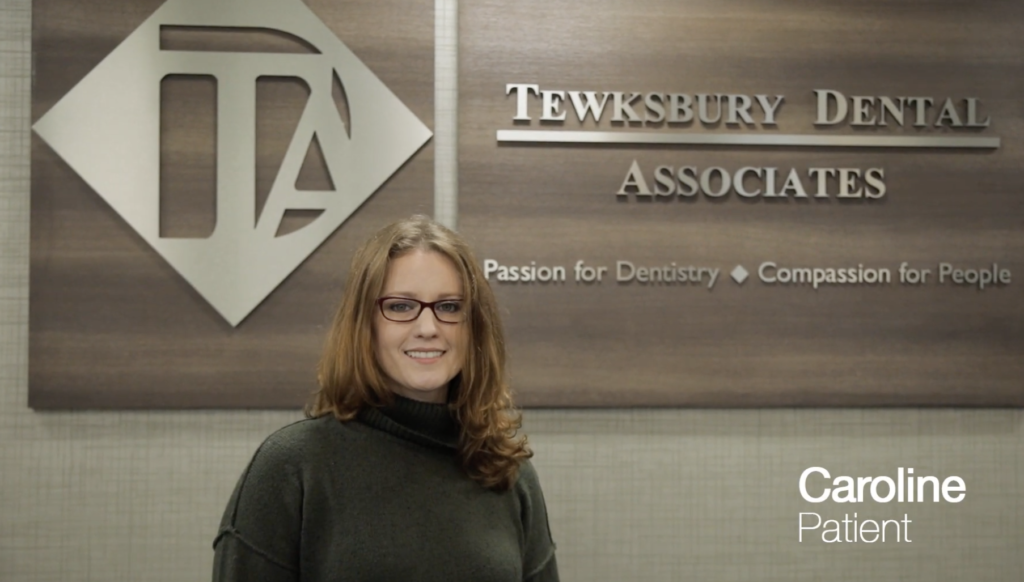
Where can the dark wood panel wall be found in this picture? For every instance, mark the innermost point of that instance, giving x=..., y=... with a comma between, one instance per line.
x=112, y=325
x=752, y=344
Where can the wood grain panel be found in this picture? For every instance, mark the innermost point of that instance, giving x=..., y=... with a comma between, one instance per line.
x=618, y=344
x=114, y=326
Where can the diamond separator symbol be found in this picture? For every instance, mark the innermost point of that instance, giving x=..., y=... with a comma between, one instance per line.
x=739, y=274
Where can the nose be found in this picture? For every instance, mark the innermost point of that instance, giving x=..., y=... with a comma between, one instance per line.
x=426, y=323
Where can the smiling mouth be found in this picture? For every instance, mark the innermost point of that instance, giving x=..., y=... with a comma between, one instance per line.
x=424, y=355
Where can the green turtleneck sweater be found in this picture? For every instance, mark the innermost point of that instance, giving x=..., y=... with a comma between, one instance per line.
x=382, y=498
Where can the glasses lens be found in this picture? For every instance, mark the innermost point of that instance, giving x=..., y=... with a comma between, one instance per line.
x=449, y=311
x=400, y=309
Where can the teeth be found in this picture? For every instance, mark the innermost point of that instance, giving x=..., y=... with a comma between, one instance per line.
x=425, y=354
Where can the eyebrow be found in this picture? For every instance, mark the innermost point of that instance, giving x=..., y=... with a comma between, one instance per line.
x=410, y=295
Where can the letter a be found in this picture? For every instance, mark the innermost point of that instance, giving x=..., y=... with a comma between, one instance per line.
x=634, y=179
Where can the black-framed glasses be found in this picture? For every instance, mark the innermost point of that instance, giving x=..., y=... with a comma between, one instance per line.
x=404, y=310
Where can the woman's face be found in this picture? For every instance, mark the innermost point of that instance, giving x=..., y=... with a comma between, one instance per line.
x=421, y=356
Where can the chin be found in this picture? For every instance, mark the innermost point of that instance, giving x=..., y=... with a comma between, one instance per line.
x=427, y=386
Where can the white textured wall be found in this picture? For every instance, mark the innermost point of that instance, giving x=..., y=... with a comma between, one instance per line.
x=633, y=495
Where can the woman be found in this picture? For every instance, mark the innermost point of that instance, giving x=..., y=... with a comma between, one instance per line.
x=407, y=467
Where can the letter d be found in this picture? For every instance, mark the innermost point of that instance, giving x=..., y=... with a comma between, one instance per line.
x=620, y=267
x=841, y=107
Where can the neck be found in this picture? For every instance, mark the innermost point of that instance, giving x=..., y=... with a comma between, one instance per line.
x=423, y=422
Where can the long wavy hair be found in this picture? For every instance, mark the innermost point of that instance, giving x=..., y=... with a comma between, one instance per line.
x=351, y=378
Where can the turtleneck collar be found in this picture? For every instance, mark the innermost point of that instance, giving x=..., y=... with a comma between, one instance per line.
x=424, y=423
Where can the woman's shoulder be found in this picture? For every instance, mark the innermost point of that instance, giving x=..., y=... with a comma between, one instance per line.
x=300, y=431
x=297, y=443
x=527, y=478
x=265, y=508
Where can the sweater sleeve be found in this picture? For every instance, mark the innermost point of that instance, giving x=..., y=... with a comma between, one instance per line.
x=259, y=535
x=539, y=563
x=235, y=560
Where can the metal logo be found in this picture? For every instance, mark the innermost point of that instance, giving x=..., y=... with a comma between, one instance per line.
x=107, y=128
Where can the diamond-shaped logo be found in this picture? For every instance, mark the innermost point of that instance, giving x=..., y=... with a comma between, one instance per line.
x=739, y=274
x=107, y=128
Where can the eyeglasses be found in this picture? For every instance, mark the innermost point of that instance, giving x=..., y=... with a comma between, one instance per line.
x=404, y=310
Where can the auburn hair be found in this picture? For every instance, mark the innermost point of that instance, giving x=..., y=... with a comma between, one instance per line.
x=350, y=377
